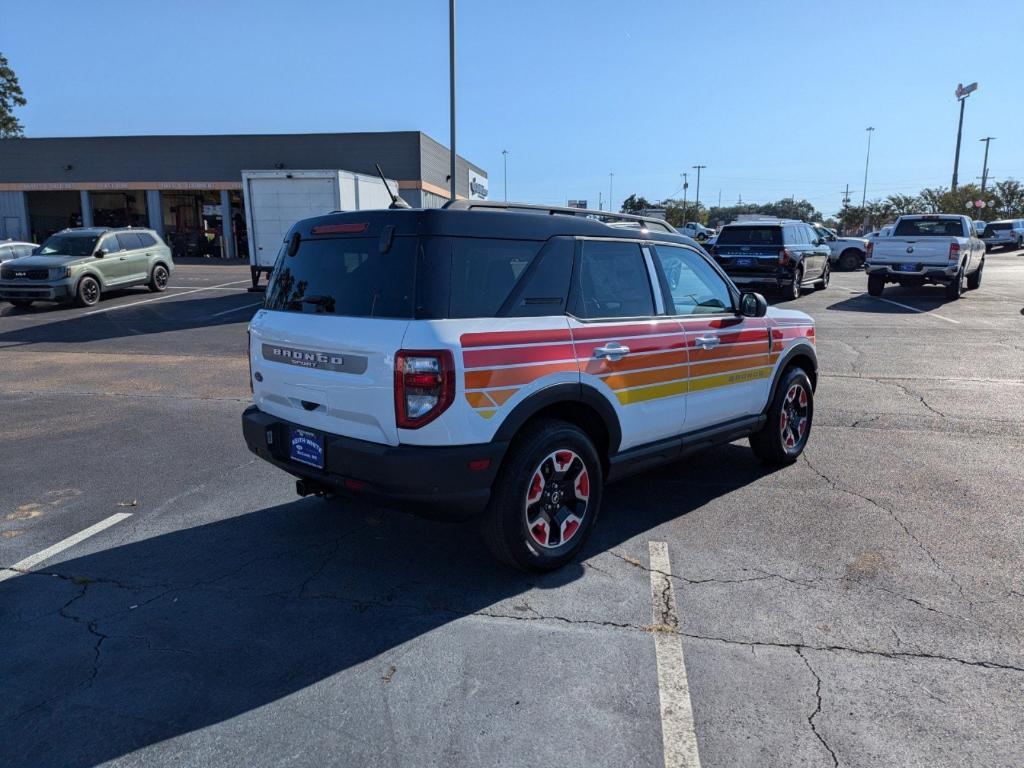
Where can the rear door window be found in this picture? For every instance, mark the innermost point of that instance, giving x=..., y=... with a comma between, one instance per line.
x=612, y=281
x=346, y=276
x=751, y=235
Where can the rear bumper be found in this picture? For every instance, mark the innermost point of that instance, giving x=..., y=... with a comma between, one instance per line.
x=992, y=242
x=430, y=481
x=765, y=280
x=921, y=272
x=36, y=290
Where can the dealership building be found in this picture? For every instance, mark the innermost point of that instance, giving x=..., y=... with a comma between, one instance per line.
x=182, y=186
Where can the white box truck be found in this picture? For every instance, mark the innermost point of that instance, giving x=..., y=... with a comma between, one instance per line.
x=274, y=200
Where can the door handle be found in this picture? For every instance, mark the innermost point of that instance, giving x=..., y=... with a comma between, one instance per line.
x=612, y=351
x=122, y=258
x=708, y=342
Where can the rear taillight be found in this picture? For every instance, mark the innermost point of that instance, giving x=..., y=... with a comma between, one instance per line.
x=954, y=251
x=870, y=249
x=785, y=256
x=424, y=386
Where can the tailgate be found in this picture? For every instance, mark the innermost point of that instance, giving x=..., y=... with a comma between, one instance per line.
x=748, y=259
x=334, y=374
x=933, y=251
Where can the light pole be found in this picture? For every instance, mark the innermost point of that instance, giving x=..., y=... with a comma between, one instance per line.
x=962, y=92
x=864, y=196
x=686, y=184
x=504, y=157
x=984, y=164
x=610, y=177
x=451, y=88
x=696, y=199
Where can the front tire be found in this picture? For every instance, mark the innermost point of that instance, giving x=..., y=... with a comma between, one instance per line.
x=88, y=294
x=159, y=278
x=545, y=499
x=850, y=260
x=784, y=436
x=876, y=284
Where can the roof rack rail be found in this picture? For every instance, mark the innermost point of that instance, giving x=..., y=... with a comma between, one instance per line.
x=605, y=217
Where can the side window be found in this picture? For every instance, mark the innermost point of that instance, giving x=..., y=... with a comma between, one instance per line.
x=6, y=252
x=146, y=240
x=695, y=287
x=546, y=283
x=23, y=250
x=110, y=244
x=612, y=282
x=129, y=241
x=811, y=234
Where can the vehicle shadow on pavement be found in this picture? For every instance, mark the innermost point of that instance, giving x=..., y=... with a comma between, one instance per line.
x=156, y=317
x=925, y=299
x=115, y=651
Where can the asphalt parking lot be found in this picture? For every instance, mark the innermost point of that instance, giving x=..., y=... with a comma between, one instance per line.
x=864, y=607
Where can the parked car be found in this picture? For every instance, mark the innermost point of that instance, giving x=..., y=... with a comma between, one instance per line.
x=1008, y=233
x=697, y=231
x=471, y=362
x=780, y=254
x=885, y=231
x=940, y=249
x=78, y=265
x=846, y=253
x=15, y=249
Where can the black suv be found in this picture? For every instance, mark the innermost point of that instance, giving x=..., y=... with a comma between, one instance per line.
x=786, y=255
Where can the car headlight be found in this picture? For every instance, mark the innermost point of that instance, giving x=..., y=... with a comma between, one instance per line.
x=59, y=273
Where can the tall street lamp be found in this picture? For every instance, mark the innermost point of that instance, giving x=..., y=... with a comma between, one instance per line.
x=984, y=164
x=504, y=155
x=696, y=198
x=864, y=196
x=962, y=92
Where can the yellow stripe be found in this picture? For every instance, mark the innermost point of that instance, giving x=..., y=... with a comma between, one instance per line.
x=641, y=394
x=486, y=414
x=725, y=379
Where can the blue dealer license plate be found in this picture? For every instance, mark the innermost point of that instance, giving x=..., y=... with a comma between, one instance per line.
x=907, y=268
x=744, y=262
x=306, y=447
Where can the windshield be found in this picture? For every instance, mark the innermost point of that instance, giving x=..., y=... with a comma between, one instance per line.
x=346, y=276
x=929, y=228
x=770, y=235
x=68, y=245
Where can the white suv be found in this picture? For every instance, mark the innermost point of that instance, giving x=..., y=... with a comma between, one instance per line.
x=505, y=362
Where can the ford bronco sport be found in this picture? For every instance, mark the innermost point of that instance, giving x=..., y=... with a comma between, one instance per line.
x=505, y=362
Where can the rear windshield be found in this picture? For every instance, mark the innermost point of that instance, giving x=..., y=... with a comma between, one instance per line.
x=346, y=276
x=68, y=245
x=929, y=228
x=1000, y=225
x=770, y=235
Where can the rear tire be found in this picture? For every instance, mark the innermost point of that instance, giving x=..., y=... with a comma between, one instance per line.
x=876, y=284
x=545, y=499
x=88, y=294
x=159, y=278
x=956, y=288
x=784, y=436
x=974, y=279
x=22, y=303
x=798, y=278
x=850, y=260
x=826, y=273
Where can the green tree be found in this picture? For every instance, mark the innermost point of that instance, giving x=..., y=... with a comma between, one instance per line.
x=10, y=97
x=634, y=204
x=677, y=214
x=1008, y=197
x=901, y=205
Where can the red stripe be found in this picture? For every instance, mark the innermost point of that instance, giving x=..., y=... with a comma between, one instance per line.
x=758, y=334
x=613, y=331
x=514, y=337
x=793, y=332
x=635, y=344
x=692, y=325
x=482, y=358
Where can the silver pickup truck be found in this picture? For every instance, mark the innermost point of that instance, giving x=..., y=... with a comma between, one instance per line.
x=937, y=249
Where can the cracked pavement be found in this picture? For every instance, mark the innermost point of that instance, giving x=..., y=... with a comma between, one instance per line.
x=863, y=607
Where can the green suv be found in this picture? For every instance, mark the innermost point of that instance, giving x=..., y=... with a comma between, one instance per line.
x=78, y=265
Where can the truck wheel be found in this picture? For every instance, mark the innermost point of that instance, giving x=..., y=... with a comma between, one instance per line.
x=545, y=498
x=850, y=259
x=956, y=288
x=876, y=284
x=974, y=280
x=88, y=294
x=158, y=280
x=783, y=437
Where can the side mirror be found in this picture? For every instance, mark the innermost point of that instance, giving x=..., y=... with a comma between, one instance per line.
x=100, y=253
x=753, y=304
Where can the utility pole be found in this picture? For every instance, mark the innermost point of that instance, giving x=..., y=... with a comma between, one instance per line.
x=962, y=92
x=696, y=203
x=984, y=164
x=846, y=196
x=504, y=155
x=686, y=186
x=451, y=87
x=610, y=198
x=864, y=197
x=600, y=201
x=719, y=198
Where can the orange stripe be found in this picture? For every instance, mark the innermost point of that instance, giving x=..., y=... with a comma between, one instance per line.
x=724, y=366
x=479, y=400
x=501, y=395
x=623, y=380
x=503, y=377
x=722, y=353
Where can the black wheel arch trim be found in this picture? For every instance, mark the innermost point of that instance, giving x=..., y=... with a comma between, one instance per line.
x=562, y=393
x=95, y=276
x=800, y=350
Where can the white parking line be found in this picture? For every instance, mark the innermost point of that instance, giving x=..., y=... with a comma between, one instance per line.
x=33, y=560
x=190, y=288
x=236, y=309
x=915, y=309
x=678, y=734
x=159, y=298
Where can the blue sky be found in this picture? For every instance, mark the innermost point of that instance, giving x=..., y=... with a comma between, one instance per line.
x=772, y=97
